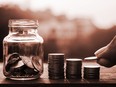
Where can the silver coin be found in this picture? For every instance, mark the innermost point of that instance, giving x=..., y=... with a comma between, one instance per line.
x=36, y=63
x=27, y=61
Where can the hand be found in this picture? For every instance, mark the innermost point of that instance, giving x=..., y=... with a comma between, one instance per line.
x=106, y=56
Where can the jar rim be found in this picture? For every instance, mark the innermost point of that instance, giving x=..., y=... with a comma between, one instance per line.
x=23, y=23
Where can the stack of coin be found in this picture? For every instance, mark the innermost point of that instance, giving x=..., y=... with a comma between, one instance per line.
x=73, y=68
x=91, y=72
x=56, y=65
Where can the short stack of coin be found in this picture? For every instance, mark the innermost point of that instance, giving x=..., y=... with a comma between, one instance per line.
x=91, y=72
x=56, y=65
x=73, y=68
x=92, y=69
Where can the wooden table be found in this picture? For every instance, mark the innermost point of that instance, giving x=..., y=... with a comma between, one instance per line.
x=107, y=79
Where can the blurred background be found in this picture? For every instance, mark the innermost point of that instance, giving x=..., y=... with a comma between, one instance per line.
x=76, y=27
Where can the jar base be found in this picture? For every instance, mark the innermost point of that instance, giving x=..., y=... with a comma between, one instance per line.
x=22, y=78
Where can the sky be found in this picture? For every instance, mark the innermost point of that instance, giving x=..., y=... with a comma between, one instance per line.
x=102, y=12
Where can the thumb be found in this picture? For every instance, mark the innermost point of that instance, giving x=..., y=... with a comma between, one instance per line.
x=100, y=51
x=112, y=44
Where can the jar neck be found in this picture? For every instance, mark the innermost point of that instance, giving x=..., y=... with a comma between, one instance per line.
x=22, y=30
x=23, y=26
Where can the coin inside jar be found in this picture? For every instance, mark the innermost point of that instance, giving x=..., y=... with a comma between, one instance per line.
x=36, y=63
x=13, y=59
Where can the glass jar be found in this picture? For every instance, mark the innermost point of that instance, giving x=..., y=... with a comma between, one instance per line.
x=22, y=50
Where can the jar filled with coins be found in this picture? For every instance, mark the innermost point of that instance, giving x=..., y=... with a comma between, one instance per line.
x=22, y=50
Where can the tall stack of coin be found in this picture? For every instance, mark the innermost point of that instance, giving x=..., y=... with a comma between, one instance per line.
x=91, y=72
x=56, y=65
x=73, y=68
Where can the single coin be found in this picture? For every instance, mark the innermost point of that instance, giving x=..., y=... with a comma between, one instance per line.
x=27, y=61
x=36, y=64
x=90, y=58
